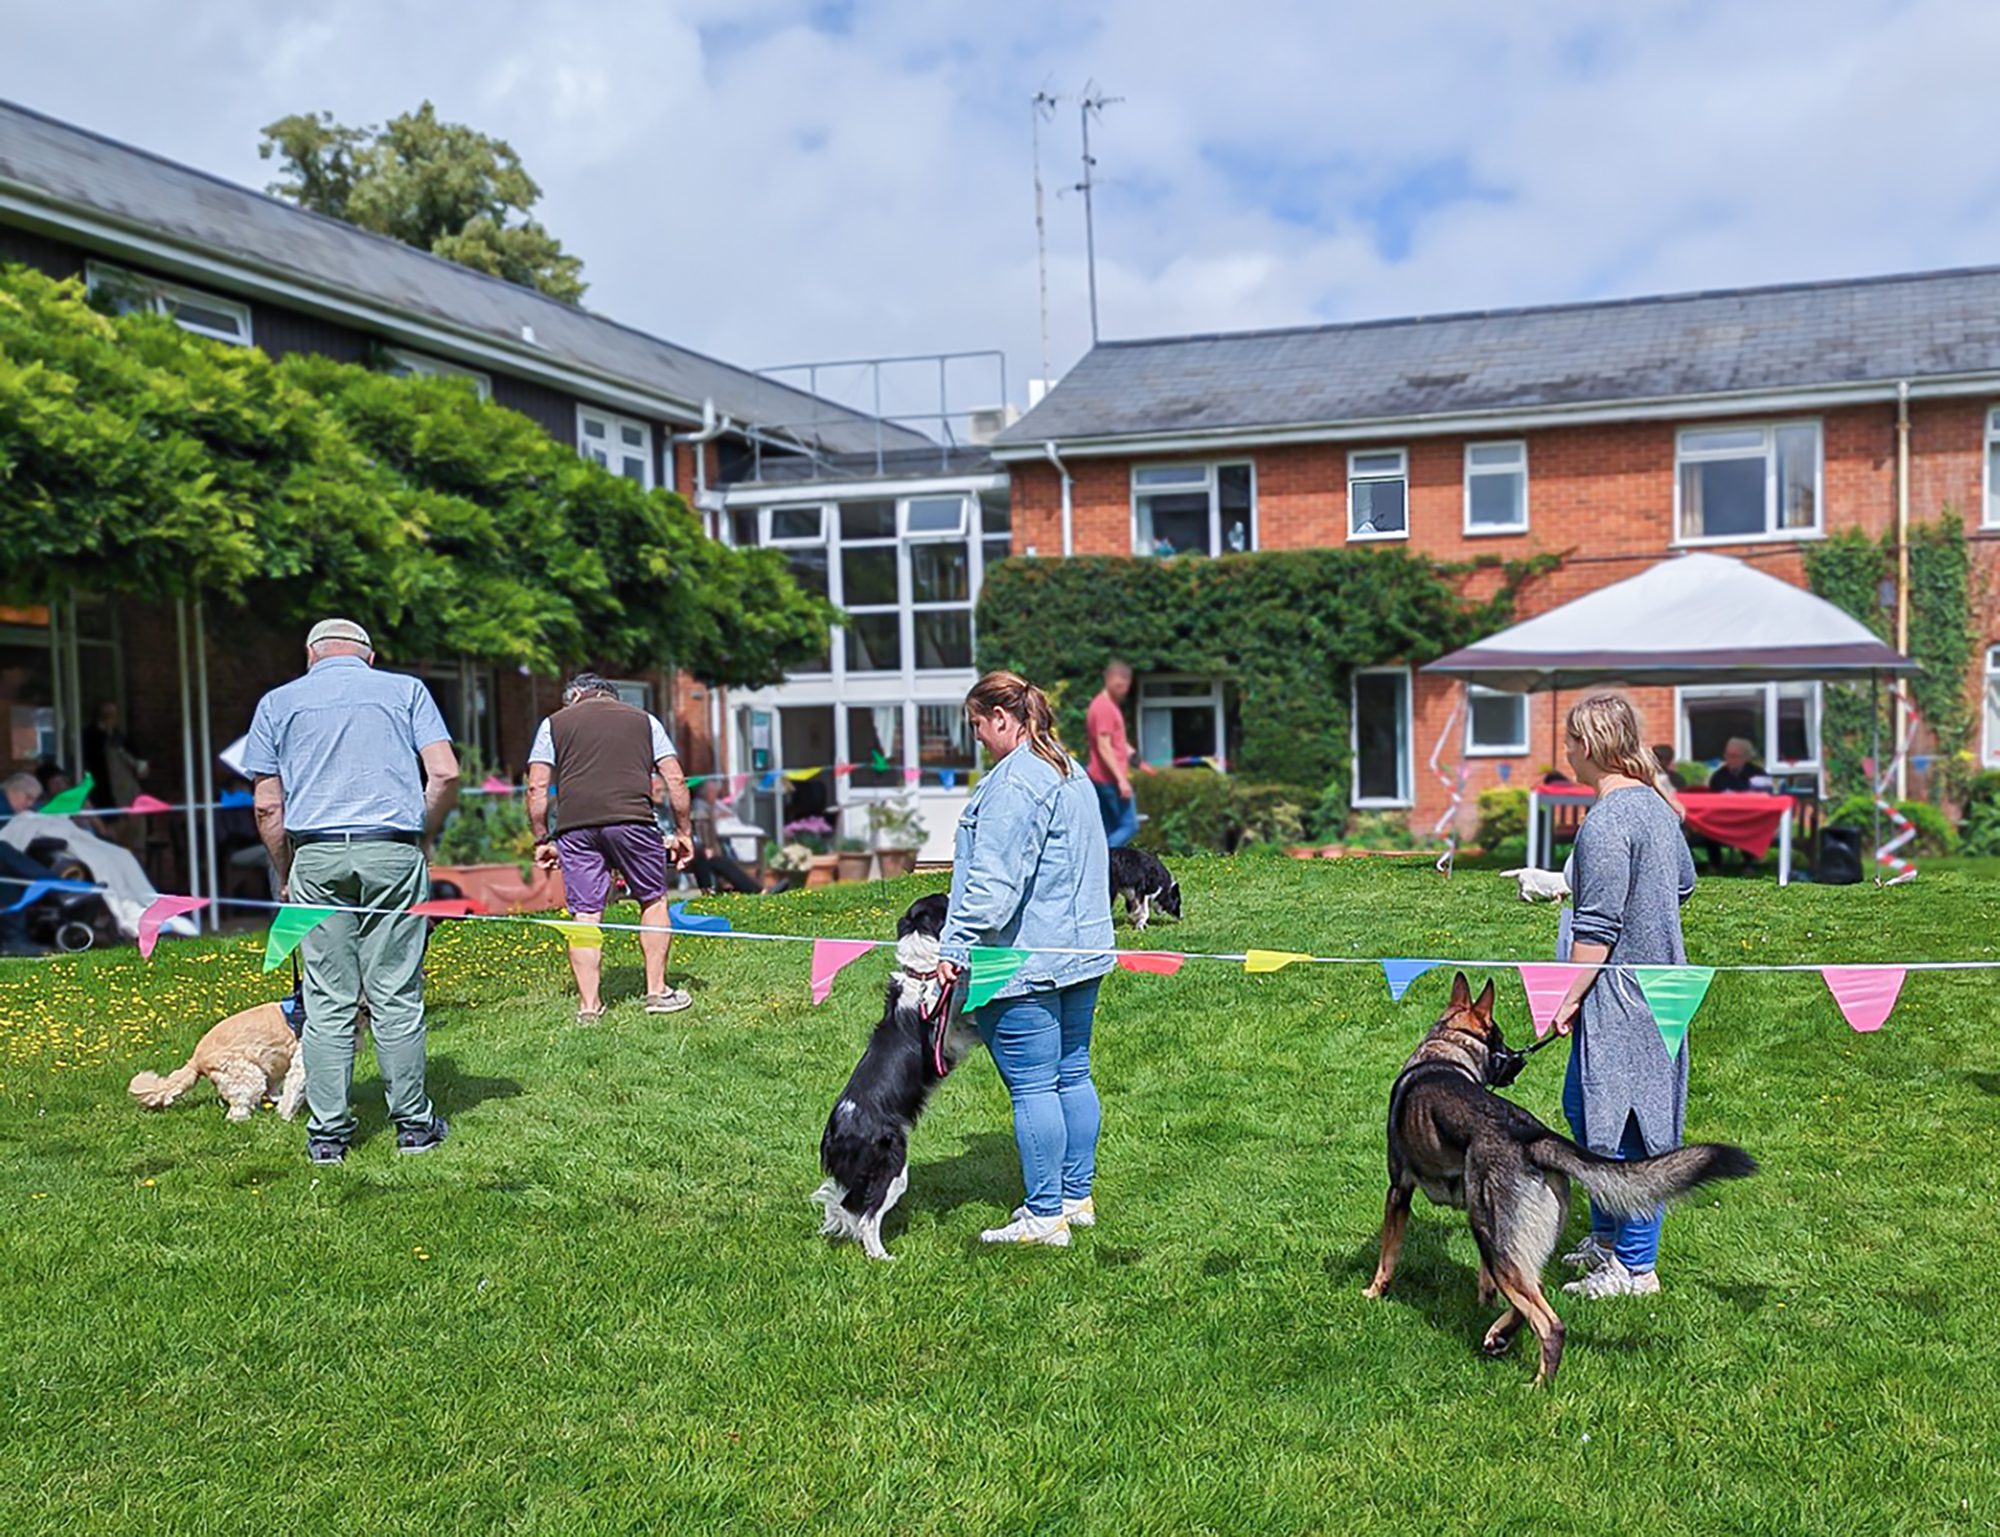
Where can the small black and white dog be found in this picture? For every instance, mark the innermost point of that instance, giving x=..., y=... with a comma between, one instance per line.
x=921, y=1037
x=1145, y=884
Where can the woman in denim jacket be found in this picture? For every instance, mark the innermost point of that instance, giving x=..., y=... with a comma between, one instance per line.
x=1029, y=870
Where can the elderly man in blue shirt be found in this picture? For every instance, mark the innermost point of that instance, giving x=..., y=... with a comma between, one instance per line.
x=346, y=818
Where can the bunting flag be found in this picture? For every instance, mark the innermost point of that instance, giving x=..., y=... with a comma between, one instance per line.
x=769, y=781
x=877, y=762
x=829, y=958
x=581, y=936
x=230, y=798
x=147, y=805
x=948, y=779
x=738, y=783
x=845, y=768
x=447, y=907
x=493, y=784
x=161, y=911
x=1673, y=993
x=1158, y=963
x=912, y=775
x=289, y=926
x=1257, y=962
x=70, y=801
x=1546, y=984
x=1400, y=974
x=992, y=969
x=698, y=923
x=1865, y=994
x=36, y=890
x=799, y=776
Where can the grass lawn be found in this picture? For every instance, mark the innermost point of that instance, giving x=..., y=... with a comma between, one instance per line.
x=604, y=1307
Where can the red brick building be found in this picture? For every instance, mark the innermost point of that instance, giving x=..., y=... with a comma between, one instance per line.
x=1747, y=423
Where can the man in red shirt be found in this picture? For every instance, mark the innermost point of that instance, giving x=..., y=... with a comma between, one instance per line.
x=1111, y=756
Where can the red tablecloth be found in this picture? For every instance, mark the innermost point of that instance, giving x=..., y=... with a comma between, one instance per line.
x=1746, y=820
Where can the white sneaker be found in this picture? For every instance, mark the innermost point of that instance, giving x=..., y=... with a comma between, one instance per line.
x=1612, y=1279
x=1592, y=1254
x=1029, y=1228
x=1081, y=1213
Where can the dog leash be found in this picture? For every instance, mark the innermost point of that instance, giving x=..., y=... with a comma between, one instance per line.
x=938, y=1017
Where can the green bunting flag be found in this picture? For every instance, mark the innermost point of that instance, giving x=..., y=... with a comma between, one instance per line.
x=288, y=926
x=70, y=801
x=992, y=969
x=877, y=762
x=1673, y=993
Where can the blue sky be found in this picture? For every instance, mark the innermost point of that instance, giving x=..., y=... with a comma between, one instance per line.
x=780, y=179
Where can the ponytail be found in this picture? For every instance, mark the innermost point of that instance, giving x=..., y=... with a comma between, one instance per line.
x=1608, y=727
x=1021, y=699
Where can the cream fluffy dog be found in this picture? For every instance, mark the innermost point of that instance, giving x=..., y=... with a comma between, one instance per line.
x=248, y=1057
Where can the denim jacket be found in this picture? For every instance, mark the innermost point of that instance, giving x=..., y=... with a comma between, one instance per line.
x=1030, y=867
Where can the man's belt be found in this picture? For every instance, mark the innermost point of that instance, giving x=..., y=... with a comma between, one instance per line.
x=381, y=835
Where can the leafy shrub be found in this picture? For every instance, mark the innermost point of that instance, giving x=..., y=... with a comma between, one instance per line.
x=1935, y=834
x=1378, y=830
x=485, y=829
x=1503, y=816
x=1187, y=811
x=1979, y=833
x=1270, y=813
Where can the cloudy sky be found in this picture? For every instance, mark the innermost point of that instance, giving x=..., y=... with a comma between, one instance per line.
x=772, y=180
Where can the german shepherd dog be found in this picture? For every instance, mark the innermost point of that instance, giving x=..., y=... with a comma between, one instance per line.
x=921, y=1037
x=1463, y=1145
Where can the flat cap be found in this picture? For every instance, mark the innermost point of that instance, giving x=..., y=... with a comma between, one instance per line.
x=339, y=629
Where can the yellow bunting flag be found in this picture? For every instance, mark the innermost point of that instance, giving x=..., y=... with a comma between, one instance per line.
x=800, y=776
x=1257, y=961
x=581, y=936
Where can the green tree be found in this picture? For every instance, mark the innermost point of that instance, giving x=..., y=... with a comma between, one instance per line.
x=442, y=187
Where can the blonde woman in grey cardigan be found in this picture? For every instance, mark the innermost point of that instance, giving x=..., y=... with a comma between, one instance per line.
x=1625, y=1094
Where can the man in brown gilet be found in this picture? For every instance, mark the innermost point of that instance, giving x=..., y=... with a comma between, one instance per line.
x=603, y=755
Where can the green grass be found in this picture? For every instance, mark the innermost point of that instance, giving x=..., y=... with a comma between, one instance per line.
x=603, y=1306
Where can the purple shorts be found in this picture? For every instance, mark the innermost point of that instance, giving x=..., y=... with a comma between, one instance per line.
x=588, y=855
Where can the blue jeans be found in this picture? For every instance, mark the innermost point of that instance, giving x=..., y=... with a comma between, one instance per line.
x=1120, y=813
x=1635, y=1240
x=1041, y=1044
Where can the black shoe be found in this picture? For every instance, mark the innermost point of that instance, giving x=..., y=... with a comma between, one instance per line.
x=421, y=1139
x=326, y=1151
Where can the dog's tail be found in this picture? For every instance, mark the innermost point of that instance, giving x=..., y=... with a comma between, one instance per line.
x=1632, y=1188
x=156, y=1093
x=839, y=1222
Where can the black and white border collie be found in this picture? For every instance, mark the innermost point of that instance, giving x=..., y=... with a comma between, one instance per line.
x=1145, y=884
x=921, y=1037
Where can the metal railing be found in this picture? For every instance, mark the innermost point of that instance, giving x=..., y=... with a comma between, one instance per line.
x=808, y=435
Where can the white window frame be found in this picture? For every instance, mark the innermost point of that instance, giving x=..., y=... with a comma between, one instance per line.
x=614, y=441
x=767, y=519
x=1485, y=530
x=160, y=296
x=1989, y=512
x=1211, y=699
x=1990, y=708
x=1776, y=767
x=1377, y=477
x=1205, y=477
x=1406, y=799
x=636, y=692
x=423, y=363
x=1770, y=430
x=1515, y=749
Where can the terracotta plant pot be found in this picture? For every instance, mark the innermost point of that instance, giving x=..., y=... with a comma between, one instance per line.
x=500, y=889
x=853, y=865
x=821, y=871
x=896, y=862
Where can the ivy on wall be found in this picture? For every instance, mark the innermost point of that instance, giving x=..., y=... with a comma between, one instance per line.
x=1285, y=628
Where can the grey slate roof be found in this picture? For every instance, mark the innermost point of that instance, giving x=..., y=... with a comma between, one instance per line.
x=73, y=168
x=1870, y=330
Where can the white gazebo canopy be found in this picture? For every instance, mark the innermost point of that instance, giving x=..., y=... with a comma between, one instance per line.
x=1693, y=619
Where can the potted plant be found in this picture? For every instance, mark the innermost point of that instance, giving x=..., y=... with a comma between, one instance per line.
x=854, y=858
x=899, y=833
x=815, y=836
x=486, y=854
x=787, y=863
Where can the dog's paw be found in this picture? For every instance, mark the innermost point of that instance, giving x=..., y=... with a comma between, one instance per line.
x=1373, y=1291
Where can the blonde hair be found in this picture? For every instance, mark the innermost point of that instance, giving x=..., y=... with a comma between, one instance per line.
x=1608, y=727
x=1029, y=705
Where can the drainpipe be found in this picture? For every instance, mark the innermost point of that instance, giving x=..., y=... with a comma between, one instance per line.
x=712, y=427
x=1902, y=572
x=1068, y=511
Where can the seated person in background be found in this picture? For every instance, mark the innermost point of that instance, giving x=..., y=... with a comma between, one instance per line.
x=1664, y=756
x=1739, y=767
x=19, y=793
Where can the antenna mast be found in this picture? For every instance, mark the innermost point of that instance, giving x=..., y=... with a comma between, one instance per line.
x=1043, y=106
x=1093, y=101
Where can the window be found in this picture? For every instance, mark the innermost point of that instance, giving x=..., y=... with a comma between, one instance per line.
x=1194, y=509
x=944, y=739
x=1378, y=494
x=1180, y=718
x=1496, y=488
x=633, y=691
x=226, y=320
x=939, y=560
x=1382, y=730
x=871, y=587
x=1992, y=518
x=996, y=523
x=621, y=445
x=1748, y=482
x=1993, y=707
x=1779, y=720
x=403, y=364
x=873, y=730
x=1496, y=724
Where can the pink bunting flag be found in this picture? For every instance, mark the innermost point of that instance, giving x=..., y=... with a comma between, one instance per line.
x=164, y=910
x=1865, y=994
x=1159, y=963
x=493, y=784
x=1546, y=984
x=446, y=907
x=845, y=768
x=912, y=775
x=146, y=805
x=829, y=957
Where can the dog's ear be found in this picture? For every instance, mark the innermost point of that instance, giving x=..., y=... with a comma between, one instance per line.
x=1483, y=1008
x=1461, y=993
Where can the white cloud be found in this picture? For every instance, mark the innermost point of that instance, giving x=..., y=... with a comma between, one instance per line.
x=743, y=183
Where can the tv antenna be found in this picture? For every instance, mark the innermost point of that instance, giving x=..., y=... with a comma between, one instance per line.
x=1041, y=109
x=1095, y=101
